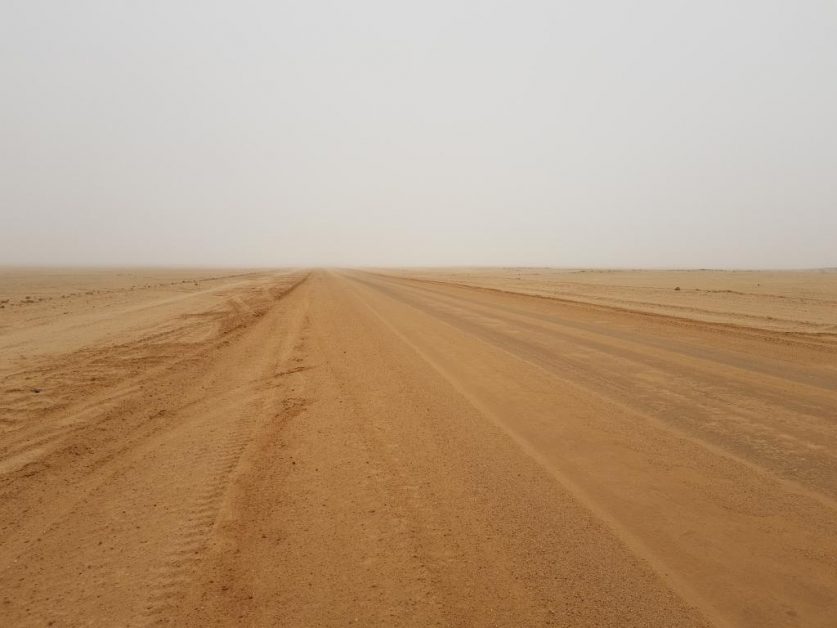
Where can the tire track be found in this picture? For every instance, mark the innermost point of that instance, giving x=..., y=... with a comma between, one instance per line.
x=173, y=573
x=171, y=577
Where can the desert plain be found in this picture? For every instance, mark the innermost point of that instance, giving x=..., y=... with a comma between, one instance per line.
x=416, y=447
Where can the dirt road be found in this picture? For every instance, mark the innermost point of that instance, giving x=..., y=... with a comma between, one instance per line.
x=354, y=448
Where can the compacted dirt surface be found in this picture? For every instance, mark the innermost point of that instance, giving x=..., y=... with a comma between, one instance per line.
x=387, y=448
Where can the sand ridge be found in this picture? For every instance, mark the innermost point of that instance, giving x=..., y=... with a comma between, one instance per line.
x=793, y=301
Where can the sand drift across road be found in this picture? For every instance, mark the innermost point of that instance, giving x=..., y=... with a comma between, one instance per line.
x=333, y=447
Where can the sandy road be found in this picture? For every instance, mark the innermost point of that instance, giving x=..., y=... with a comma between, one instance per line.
x=369, y=449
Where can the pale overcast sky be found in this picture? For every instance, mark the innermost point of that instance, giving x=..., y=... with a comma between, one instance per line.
x=437, y=132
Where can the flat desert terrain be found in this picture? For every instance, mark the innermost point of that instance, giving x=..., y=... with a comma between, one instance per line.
x=454, y=447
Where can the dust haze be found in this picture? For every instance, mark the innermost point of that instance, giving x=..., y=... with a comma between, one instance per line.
x=373, y=133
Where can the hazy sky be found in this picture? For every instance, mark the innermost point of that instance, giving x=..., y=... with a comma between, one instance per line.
x=346, y=133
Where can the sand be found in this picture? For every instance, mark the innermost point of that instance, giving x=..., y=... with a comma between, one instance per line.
x=418, y=447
